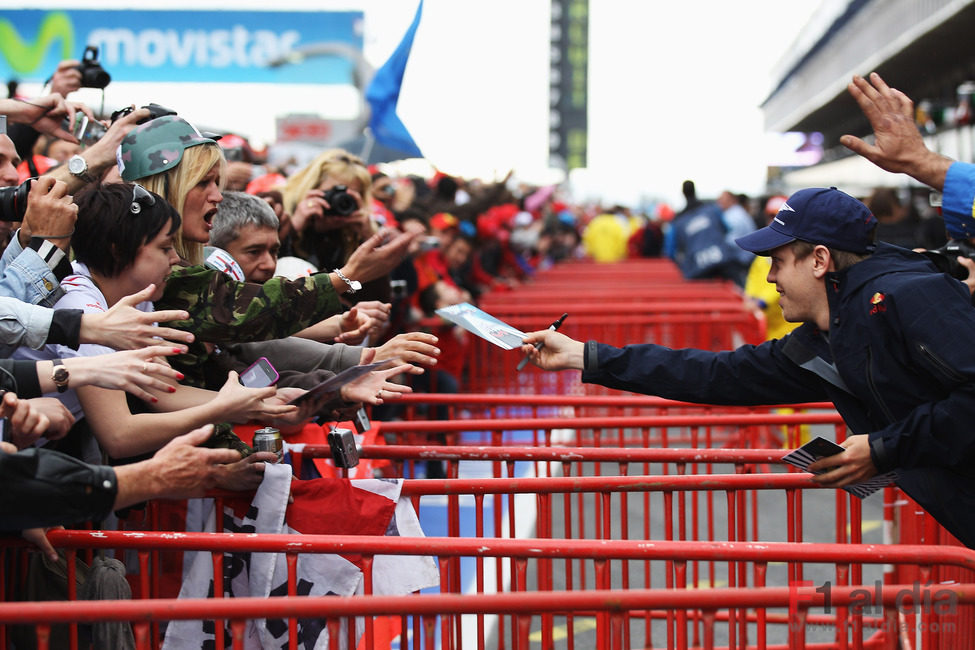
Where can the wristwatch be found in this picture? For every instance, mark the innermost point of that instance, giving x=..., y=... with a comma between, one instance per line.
x=59, y=375
x=78, y=166
x=354, y=285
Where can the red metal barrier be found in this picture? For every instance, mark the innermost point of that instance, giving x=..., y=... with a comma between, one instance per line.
x=418, y=406
x=750, y=612
x=743, y=429
x=492, y=369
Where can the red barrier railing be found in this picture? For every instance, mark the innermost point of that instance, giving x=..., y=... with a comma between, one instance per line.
x=688, y=616
x=737, y=430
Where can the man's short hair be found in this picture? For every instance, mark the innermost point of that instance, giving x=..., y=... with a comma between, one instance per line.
x=841, y=259
x=239, y=209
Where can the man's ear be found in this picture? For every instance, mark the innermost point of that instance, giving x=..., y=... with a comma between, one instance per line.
x=822, y=261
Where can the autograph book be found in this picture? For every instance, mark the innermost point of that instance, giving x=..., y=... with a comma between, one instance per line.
x=820, y=447
x=483, y=324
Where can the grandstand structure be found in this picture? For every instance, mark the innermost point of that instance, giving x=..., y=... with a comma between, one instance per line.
x=920, y=47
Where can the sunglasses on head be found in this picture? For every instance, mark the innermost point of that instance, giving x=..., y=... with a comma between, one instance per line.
x=140, y=197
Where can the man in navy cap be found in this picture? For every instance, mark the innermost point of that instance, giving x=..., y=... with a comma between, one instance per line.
x=886, y=338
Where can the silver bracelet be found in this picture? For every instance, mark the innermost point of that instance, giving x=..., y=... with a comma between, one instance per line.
x=353, y=285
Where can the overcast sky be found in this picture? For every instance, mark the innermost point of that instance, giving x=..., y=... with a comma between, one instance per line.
x=674, y=88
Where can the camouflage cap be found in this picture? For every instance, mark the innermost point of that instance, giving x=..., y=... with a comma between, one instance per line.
x=155, y=146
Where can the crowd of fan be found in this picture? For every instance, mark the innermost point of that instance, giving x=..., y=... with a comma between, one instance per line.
x=317, y=269
x=145, y=270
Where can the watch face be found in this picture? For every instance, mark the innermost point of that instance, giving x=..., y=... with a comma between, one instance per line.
x=60, y=375
x=77, y=165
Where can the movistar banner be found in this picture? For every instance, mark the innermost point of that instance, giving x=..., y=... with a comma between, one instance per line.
x=201, y=46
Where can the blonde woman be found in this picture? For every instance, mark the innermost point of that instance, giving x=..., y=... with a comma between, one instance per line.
x=169, y=154
x=329, y=201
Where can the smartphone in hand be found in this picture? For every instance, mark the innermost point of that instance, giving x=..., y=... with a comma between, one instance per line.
x=259, y=375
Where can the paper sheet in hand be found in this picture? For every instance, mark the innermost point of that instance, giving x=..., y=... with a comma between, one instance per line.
x=820, y=447
x=320, y=392
x=483, y=324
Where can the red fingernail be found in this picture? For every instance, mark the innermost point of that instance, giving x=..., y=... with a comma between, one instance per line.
x=154, y=400
x=172, y=389
x=181, y=375
x=178, y=350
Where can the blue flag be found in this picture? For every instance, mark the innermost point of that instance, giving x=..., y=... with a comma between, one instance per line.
x=383, y=94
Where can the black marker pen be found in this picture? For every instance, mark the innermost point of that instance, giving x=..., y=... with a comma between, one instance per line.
x=538, y=346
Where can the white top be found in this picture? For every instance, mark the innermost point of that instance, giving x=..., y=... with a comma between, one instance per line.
x=80, y=293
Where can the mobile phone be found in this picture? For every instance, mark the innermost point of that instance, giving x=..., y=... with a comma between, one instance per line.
x=429, y=243
x=361, y=421
x=342, y=444
x=80, y=125
x=92, y=134
x=259, y=375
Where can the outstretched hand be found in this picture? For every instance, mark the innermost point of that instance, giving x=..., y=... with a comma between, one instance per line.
x=124, y=327
x=362, y=320
x=46, y=115
x=181, y=468
x=375, y=387
x=558, y=352
x=134, y=371
x=412, y=347
x=376, y=256
x=898, y=145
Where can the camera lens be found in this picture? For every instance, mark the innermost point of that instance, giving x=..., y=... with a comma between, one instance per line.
x=340, y=201
x=94, y=76
x=13, y=201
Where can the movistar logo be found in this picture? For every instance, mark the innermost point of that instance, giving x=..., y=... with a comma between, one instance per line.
x=24, y=57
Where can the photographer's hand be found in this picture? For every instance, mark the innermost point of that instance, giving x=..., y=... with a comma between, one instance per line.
x=969, y=264
x=67, y=78
x=51, y=214
x=45, y=114
x=310, y=206
x=101, y=155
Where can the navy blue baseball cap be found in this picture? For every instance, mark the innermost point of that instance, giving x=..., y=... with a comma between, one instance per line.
x=817, y=215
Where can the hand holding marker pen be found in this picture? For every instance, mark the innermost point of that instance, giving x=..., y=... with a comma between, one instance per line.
x=538, y=346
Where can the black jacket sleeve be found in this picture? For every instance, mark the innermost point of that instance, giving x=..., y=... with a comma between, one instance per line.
x=66, y=327
x=748, y=376
x=20, y=376
x=47, y=488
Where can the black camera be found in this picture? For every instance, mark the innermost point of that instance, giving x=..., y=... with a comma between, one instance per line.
x=155, y=110
x=398, y=290
x=93, y=75
x=946, y=257
x=340, y=202
x=13, y=201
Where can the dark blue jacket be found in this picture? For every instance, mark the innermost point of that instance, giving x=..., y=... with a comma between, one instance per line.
x=898, y=363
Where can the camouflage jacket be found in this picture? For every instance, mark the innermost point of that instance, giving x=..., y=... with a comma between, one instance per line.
x=224, y=311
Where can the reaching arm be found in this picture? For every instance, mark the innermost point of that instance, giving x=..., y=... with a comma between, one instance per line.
x=122, y=434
